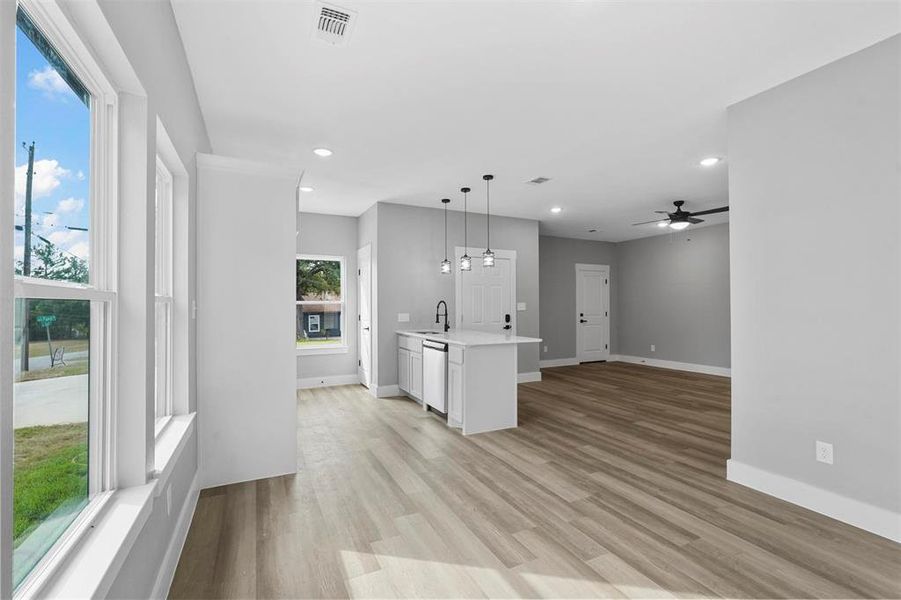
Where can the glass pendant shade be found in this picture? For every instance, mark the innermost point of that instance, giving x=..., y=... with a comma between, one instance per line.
x=488, y=258
x=445, y=267
x=466, y=263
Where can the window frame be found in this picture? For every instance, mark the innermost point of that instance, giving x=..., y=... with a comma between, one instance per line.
x=312, y=349
x=164, y=292
x=101, y=289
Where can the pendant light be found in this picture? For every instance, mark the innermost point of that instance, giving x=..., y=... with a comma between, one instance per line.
x=466, y=259
x=488, y=255
x=445, y=264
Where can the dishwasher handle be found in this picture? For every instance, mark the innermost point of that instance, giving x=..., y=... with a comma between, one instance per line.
x=440, y=346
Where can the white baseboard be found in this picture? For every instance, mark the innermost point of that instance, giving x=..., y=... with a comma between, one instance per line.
x=173, y=552
x=874, y=519
x=386, y=391
x=528, y=377
x=306, y=383
x=671, y=364
x=557, y=362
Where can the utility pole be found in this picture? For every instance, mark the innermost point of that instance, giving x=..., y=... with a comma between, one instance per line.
x=26, y=255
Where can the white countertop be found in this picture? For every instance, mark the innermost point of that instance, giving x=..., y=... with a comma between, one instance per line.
x=465, y=337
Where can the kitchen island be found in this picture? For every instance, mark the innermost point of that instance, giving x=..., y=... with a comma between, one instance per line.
x=481, y=376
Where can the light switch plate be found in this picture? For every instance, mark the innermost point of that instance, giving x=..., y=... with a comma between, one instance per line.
x=520, y=306
x=403, y=317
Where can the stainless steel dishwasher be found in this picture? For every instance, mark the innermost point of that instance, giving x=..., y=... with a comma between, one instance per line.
x=434, y=375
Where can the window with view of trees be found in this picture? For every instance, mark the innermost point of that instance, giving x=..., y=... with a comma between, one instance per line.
x=62, y=301
x=320, y=302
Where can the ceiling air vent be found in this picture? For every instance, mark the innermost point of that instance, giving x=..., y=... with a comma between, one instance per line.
x=538, y=180
x=333, y=24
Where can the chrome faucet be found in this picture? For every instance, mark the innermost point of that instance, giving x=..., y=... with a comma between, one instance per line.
x=438, y=315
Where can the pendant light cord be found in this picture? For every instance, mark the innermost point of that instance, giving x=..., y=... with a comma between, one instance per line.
x=465, y=235
x=488, y=215
x=445, y=231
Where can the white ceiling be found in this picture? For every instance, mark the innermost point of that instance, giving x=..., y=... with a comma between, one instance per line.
x=615, y=102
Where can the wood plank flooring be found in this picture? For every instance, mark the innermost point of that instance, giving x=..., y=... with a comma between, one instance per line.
x=613, y=486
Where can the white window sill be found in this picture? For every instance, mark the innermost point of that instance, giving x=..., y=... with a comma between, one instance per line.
x=89, y=567
x=322, y=350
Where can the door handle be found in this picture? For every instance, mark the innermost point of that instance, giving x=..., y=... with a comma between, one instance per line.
x=583, y=320
x=365, y=329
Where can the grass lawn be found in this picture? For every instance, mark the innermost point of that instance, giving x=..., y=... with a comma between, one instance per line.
x=40, y=348
x=51, y=468
x=317, y=342
x=74, y=368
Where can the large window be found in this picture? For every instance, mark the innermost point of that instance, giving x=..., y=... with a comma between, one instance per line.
x=163, y=305
x=320, y=303
x=64, y=298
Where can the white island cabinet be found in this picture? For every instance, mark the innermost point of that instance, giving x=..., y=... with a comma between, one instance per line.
x=481, y=376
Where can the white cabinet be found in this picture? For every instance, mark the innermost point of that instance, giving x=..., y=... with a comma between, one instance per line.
x=415, y=375
x=409, y=366
x=455, y=394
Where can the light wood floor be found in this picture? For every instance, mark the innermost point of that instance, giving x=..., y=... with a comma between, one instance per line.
x=612, y=486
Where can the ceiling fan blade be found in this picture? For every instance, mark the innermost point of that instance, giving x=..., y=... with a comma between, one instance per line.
x=662, y=212
x=710, y=211
x=693, y=221
x=649, y=222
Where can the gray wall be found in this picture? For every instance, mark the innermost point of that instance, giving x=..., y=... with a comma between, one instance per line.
x=410, y=249
x=162, y=68
x=816, y=262
x=673, y=292
x=557, y=282
x=336, y=236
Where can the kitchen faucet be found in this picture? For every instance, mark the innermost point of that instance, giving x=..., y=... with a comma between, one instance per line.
x=438, y=315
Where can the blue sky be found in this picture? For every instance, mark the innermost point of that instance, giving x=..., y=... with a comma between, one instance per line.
x=48, y=113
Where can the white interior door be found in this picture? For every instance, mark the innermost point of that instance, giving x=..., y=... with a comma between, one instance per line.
x=364, y=319
x=485, y=296
x=592, y=312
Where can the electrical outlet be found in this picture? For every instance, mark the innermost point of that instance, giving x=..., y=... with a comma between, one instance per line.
x=403, y=317
x=545, y=348
x=824, y=452
x=653, y=348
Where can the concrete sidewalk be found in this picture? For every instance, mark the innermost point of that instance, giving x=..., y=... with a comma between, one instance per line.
x=51, y=401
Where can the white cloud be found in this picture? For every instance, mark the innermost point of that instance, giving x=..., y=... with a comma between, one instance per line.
x=47, y=176
x=69, y=205
x=47, y=221
x=81, y=249
x=48, y=81
x=79, y=175
x=65, y=238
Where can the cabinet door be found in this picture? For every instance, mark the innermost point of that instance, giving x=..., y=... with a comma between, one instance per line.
x=455, y=393
x=416, y=375
x=403, y=369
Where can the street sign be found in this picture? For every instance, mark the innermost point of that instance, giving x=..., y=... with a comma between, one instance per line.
x=46, y=320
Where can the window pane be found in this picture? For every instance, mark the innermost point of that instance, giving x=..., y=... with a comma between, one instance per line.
x=318, y=324
x=53, y=124
x=318, y=280
x=162, y=386
x=50, y=418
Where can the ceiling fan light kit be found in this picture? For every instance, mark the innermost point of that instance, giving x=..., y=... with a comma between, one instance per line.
x=680, y=219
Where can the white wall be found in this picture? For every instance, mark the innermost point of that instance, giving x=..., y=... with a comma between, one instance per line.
x=246, y=367
x=816, y=299
x=336, y=236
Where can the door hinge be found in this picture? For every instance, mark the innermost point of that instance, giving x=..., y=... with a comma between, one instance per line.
x=605, y=346
x=359, y=318
x=359, y=363
x=605, y=313
x=605, y=282
x=359, y=272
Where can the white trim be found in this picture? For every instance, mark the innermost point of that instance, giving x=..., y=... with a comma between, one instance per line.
x=248, y=167
x=305, y=383
x=671, y=364
x=529, y=377
x=605, y=269
x=557, y=362
x=875, y=519
x=312, y=351
x=458, y=284
x=176, y=544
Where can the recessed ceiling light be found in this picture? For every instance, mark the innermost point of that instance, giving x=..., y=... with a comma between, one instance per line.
x=323, y=152
x=556, y=210
x=709, y=161
x=306, y=188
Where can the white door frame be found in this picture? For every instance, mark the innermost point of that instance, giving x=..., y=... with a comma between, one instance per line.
x=606, y=270
x=364, y=252
x=476, y=254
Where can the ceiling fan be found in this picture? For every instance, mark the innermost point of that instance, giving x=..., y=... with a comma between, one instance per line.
x=680, y=219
